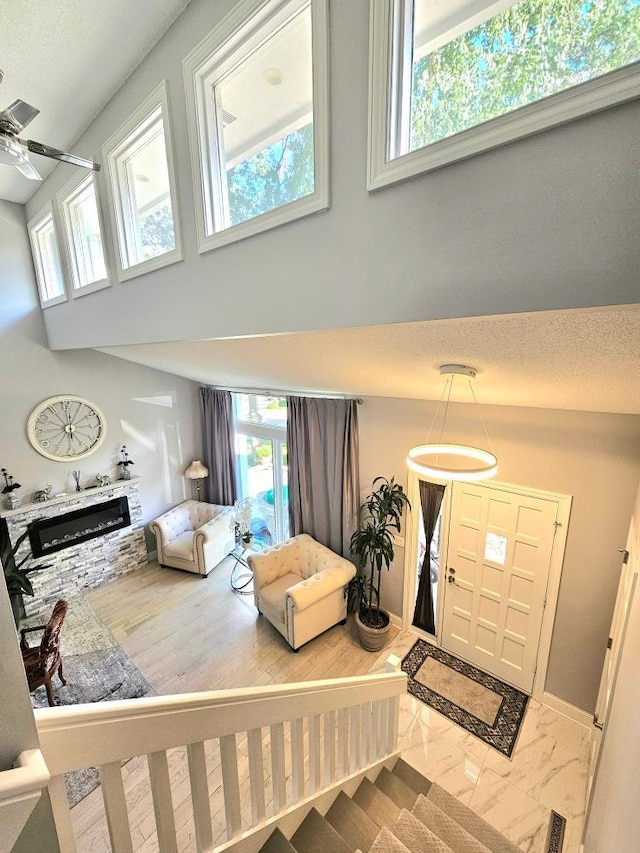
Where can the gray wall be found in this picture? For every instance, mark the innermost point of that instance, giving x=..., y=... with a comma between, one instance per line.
x=155, y=414
x=593, y=457
x=544, y=223
x=614, y=820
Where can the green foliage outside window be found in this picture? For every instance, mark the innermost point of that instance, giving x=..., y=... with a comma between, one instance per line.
x=156, y=233
x=275, y=176
x=528, y=52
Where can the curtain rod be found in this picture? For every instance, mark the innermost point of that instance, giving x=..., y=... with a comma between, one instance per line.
x=279, y=392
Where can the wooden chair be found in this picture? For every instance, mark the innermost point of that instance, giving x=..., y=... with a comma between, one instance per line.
x=43, y=662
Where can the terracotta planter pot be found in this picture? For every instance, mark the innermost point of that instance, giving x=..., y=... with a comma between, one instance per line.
x=372, y=639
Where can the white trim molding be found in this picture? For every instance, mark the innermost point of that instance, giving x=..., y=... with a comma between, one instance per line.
x=570, y=711
x=387, y=162
x=199, y=69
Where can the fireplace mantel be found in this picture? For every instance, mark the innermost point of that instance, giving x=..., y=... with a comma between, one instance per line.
x=68, y=497
x=84, y=564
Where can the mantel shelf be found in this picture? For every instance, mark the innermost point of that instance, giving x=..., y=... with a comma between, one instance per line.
x=69, y=496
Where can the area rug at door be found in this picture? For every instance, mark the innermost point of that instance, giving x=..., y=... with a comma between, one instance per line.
x=478, y=702
x=96, y=669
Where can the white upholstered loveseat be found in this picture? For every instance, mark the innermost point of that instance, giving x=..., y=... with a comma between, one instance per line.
x=194, y=536
x=299, y=585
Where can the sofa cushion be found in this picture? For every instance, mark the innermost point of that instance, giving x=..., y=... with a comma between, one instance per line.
x=272, y=596
x=181, y=547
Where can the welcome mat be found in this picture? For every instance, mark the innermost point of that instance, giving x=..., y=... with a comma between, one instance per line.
x=482, y=704
x=96, y=669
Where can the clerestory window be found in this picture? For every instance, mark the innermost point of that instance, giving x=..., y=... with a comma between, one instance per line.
x=454, y=78
x=143, y=202
x=257, y=99
x=83, y=232
x=46, y=257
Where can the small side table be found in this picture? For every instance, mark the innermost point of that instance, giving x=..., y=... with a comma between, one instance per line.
x=242, y=581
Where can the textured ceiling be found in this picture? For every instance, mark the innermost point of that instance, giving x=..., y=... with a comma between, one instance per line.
x=68, y=58
x=584, y=360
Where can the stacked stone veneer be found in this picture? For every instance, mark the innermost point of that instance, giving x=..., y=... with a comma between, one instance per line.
x=88, y=564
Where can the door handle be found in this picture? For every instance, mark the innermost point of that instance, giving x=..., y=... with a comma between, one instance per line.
x=451, y=579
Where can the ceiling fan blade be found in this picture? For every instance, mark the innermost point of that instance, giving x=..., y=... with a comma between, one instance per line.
x=19, y=114
x=47, y=151
x=28, y=171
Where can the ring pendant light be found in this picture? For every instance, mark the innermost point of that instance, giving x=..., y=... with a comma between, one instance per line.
x=453, y=461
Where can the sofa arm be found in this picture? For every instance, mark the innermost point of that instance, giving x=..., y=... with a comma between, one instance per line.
x=218, y=526
x=321, y=584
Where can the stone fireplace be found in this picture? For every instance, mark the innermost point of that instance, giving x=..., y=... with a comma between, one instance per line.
x=88, y=537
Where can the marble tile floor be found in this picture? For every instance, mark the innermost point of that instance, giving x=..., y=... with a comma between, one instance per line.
x=548, y=770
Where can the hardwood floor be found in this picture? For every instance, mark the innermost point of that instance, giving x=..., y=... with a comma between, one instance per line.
x=186, y=633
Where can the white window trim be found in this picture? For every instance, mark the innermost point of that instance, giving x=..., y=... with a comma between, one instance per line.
x=225, y=39
x=32, y=226
x=386, y=45
x=110, y=151
x=62, y=199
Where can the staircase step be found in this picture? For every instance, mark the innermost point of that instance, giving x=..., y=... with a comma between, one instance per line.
x=353, y=823
x=397, y=790
x=473, y=823
x=386, y=842
x=417, y=837
x=446, y=828
x=316, y=835
x=277, y=843
x=411, y=777
x=377, y=805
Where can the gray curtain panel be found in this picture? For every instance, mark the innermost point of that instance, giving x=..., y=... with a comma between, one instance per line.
x=216, y=417
x=431, y=495
x=324, y=488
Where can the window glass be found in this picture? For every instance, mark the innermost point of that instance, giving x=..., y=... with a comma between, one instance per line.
x=495, y=548
x=261, y=464
x=260, y=409
x=265, y=107
x=145, y=174
x=85, y=238
x=527, y=52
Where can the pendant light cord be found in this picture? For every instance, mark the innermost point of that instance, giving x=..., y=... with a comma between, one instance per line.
x=484, y=426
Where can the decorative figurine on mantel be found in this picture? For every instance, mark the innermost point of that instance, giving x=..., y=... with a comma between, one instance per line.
x=43, y=495
x=103, y=479
x=124, y=463
x=76, y=477
x=12, y=501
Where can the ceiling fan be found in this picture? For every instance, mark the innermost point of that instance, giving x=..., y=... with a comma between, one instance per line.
x=14, y=151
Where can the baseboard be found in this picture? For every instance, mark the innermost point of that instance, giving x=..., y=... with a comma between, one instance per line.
x=396, y=621
x=575, y=714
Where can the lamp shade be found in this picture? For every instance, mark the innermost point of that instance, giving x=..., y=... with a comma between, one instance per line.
x=196, y=471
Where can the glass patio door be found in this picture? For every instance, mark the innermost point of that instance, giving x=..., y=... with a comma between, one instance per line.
x=261, y=464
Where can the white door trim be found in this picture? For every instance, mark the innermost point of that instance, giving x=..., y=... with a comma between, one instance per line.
x=555, y=568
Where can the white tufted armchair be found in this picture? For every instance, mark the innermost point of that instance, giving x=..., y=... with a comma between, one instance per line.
x=299, y=585
x=194, y=536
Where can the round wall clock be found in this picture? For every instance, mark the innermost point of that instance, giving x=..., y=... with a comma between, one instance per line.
x=66, y=427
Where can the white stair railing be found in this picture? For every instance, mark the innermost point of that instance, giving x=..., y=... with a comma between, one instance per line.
x=283, y=743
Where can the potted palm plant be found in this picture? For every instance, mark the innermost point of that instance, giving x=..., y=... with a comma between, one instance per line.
x=372, y=545
x=16, y=572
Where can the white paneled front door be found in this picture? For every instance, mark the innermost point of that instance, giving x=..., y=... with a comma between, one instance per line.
x=497, y=570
